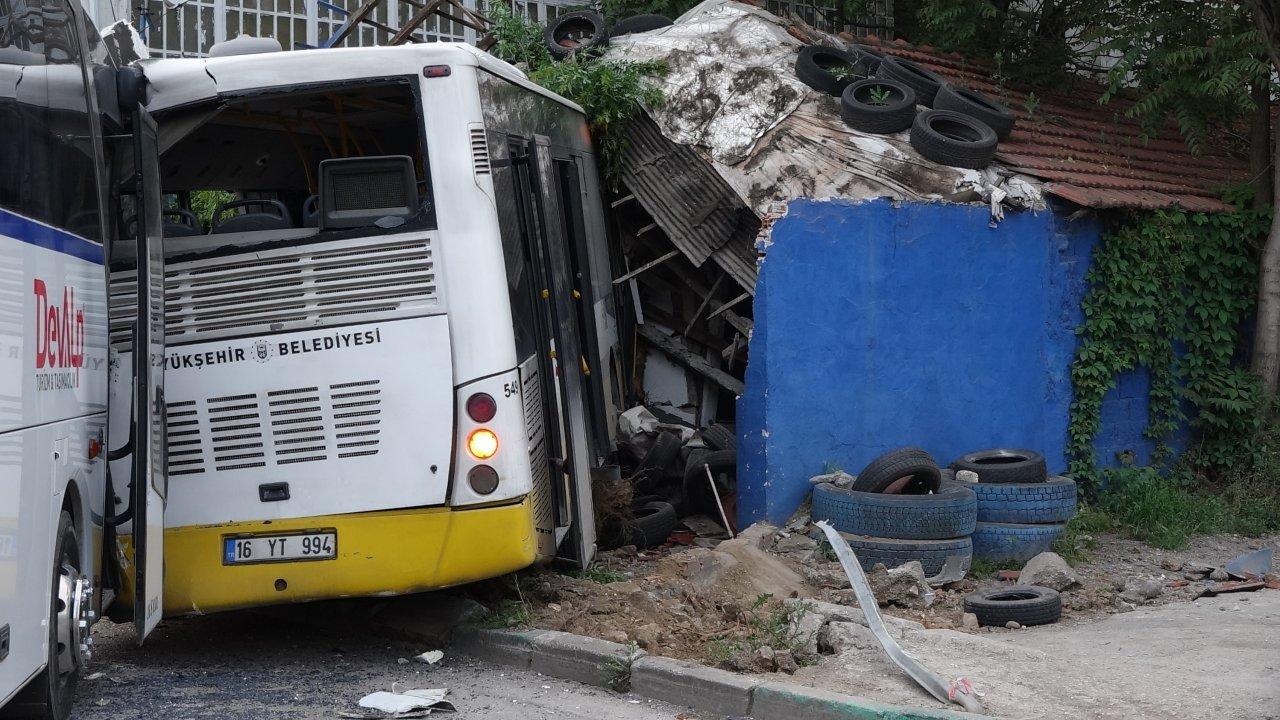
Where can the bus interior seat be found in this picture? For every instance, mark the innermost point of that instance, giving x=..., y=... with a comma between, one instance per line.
x=279, y=219
x=187, y=224
x=310, y=212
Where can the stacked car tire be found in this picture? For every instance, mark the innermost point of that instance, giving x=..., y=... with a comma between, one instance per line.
x=880, y=93
x=1021, y=509
x=898, y=510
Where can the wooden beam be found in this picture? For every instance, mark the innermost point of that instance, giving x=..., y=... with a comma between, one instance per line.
x=706, y=300
x=725, y=307
x=646, y=266
x=678, y=351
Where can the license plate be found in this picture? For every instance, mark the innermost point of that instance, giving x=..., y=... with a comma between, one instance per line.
x=250, y=549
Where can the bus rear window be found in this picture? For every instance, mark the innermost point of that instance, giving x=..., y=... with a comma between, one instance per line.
x=248, y=170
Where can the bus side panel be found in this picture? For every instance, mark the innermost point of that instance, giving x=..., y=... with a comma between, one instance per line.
x=40, y=469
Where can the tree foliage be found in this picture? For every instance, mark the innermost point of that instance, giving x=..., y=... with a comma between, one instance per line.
x=1192, y=63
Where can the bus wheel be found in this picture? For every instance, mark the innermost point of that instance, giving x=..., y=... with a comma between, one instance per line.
x=50, y=695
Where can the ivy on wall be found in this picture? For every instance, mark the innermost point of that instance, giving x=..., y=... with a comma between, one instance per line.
x=1169, y=291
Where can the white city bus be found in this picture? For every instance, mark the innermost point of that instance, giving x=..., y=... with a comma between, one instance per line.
x=386, y=353
x=63, y=151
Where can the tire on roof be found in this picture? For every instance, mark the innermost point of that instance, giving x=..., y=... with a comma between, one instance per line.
x=861, y=109
x=574, y=32
x=976, y=105
x=820, y=67
x=949, y=138
x=924, y=82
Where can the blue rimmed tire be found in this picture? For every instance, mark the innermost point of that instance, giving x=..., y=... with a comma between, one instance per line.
x=1014, y=542
x=1052, y=501
x=892, y=552
x=951, y=512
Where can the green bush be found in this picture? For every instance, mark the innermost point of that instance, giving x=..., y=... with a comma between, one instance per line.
x=610, y=91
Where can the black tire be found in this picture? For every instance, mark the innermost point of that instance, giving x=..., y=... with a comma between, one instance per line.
x=50, y=695
x=1004, y=465
x=860, y=111
x=720, y=437
x=697, y=493
x=1023, y=604
x=639, y=24
x=950, y=513
x=977, y=106
x=871, y=58
x=924, y=82
x=881, y=474
x=575, y=32
x=1052, y=501
x=815, y=62
x=892, y=553
x=665, y=449
x=652, y=525
x=949, y=138
x=1014, y=542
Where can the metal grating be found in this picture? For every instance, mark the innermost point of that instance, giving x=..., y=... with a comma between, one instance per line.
x=357, y=411
x=480, y=151
x=276, y=428
x=535, y=426
x=280, y=290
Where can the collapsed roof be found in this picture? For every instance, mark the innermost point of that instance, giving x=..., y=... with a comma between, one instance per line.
x=733, y=98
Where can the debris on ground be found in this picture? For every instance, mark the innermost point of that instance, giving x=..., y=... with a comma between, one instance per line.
x=430, y=657
x=959, y=692
x=1048, y=569
x=399, y=702
x=904, y=586
x=704, y=603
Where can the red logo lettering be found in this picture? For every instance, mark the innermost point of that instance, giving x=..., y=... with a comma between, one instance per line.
x=59, y=329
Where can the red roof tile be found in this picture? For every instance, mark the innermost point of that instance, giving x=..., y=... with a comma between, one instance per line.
x=1087, y=153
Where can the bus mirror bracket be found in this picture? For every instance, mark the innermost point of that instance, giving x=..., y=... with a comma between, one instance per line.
x=131, y=88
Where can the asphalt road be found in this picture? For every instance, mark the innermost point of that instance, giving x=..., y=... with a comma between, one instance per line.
x=249, y=666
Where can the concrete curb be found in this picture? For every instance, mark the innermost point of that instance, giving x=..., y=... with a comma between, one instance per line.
x=598, y=662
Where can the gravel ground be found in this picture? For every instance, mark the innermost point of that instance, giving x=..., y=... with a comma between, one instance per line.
x=248, y=666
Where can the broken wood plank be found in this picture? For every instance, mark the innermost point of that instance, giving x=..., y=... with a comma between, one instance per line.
x=646, y=266
x=621, y=201
x=706, y=300
x=678, y=351
x=725, y=307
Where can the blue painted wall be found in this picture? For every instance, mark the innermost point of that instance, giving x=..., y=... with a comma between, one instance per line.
x=879, y=326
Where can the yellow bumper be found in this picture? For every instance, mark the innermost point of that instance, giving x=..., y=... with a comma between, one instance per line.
x=379, y=553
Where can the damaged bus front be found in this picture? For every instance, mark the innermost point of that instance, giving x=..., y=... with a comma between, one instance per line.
x=386, y=319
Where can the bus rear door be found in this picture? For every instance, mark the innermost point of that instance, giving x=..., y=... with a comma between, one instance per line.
x=149, y=481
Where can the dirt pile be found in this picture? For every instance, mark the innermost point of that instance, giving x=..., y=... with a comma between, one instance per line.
x=721, y=605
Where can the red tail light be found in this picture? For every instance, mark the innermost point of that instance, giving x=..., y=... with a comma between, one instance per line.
x=481, y=407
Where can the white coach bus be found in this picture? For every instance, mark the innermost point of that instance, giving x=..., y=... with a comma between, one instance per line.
x=386, y=353
x=64, y=153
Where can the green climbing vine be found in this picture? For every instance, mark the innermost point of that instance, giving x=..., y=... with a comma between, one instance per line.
x=1169, y=291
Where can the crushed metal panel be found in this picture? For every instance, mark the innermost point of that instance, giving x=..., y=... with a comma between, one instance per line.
x=693, y=205
x=813, y=154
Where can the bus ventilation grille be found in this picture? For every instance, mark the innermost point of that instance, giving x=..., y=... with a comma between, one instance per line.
x=479, y=151
x=275, y=428
x=279, y=290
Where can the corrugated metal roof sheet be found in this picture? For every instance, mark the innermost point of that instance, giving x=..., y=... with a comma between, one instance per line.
x=1088, y=153
x=701, y=214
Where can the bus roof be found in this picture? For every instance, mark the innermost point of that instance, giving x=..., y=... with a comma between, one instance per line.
x=182, y=81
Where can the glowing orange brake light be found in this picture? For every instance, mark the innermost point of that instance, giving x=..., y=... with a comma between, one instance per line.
x=482, y=444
